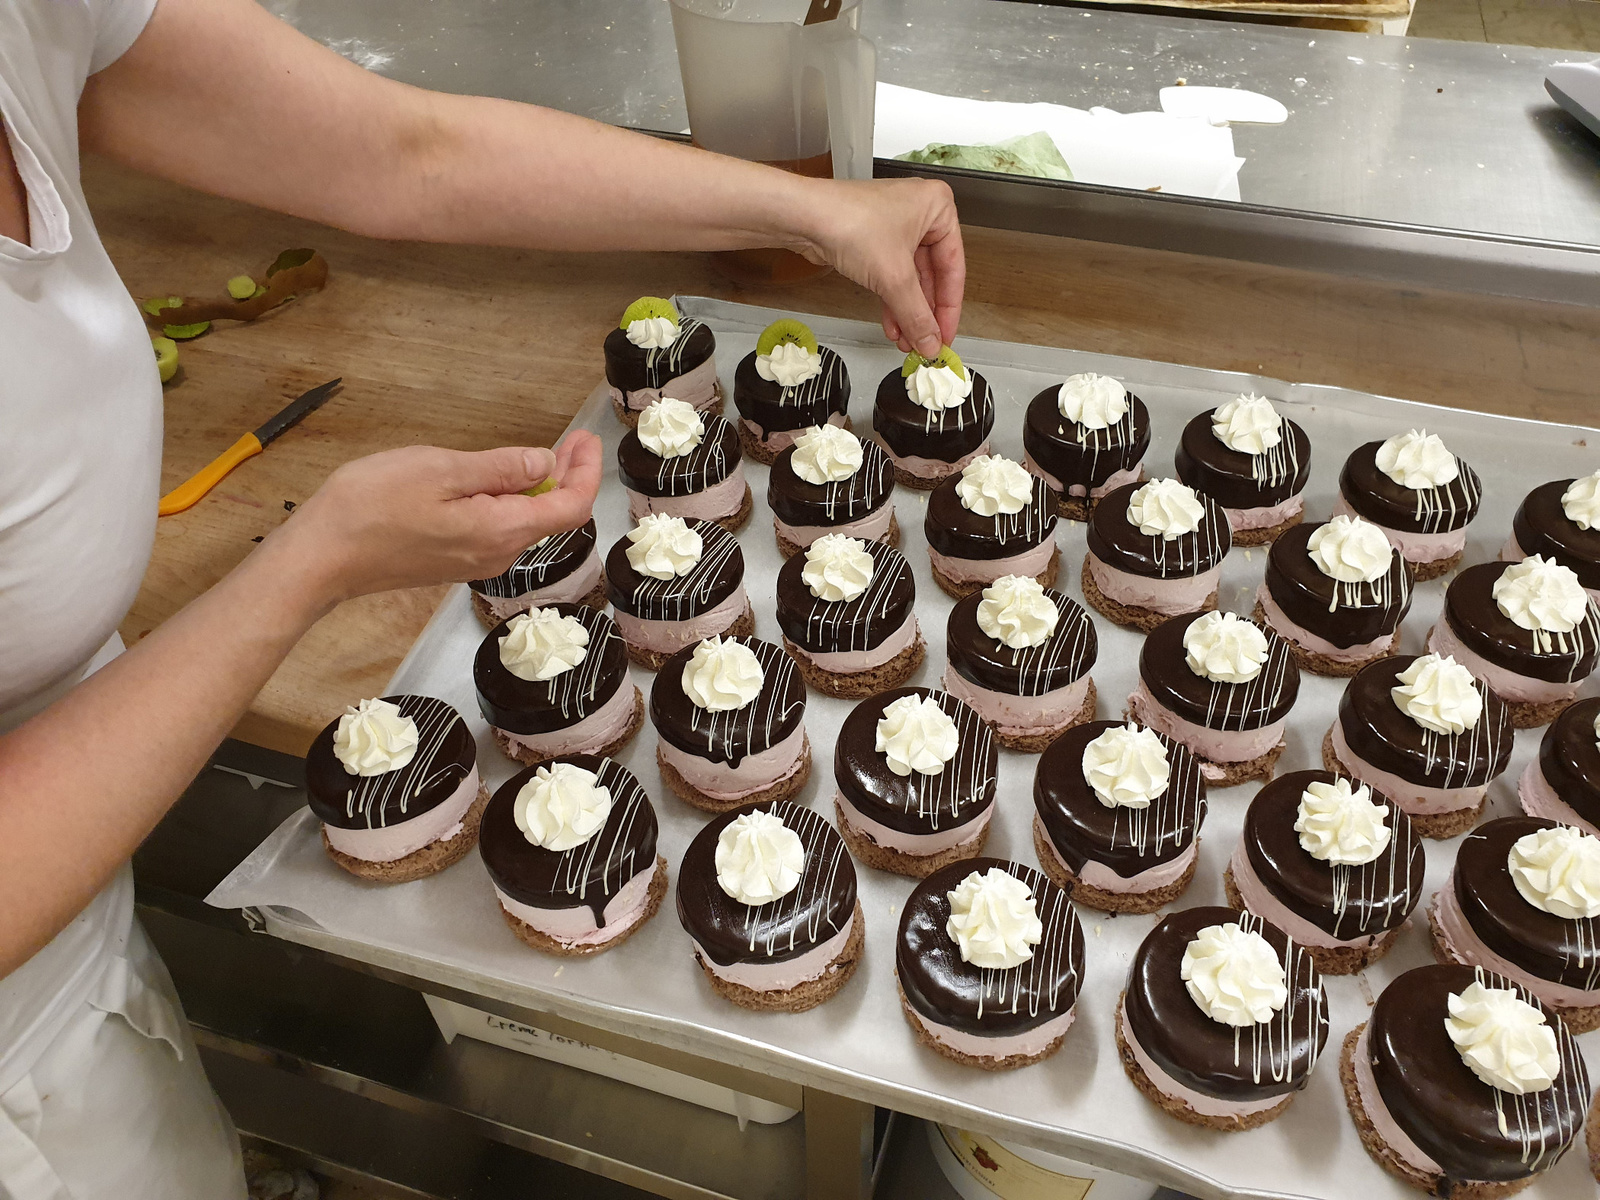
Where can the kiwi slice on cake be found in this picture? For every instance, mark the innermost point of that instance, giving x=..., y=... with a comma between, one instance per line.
x=786, y=330
x=947, y=358
x=646, y=307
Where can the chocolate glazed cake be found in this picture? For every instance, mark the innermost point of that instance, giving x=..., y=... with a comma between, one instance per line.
x=403, y=824
x=1481, y=919
x=969, y=550
x=659, y=617
x=767, y=408
x=1140, y=579
x=792, y=953
x=1562, y=783
x=860, y=506
x=1256, y=489
x=707, y=482
x=1083, y=464
x=1541, y=526
x=853, y=648
x=1420, y=522
x=1203, y=1071
x=639, y=376
x=929, y=446
x=563, y=568
x=1428, y=1119
x=1345, y=915
x=997, y=1018
x=590, y=897
x=1116, y=859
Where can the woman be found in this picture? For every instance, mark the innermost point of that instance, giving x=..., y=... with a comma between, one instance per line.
x=101, y=1093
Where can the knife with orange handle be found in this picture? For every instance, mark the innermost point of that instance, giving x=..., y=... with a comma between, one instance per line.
x=188, y=493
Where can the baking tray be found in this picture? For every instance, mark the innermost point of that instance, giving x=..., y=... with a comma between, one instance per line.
x=447, y=929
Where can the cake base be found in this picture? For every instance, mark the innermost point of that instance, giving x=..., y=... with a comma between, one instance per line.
x=1231, y=774
x=631, y=419
x=1130, y=615
x=1321, y=664
x=594, y=598
x=861, y=684
x=1592, y=1135
x=1528, y=714
x=897, y=862
x=1429, y=825
x=744, y=625
x=530, y=758
x=984, y=1063
x=784, y=789
x=803, y=995
x=1385, y=1157
x=549, y=945
x=961, y=590
x=1268, y=534
x=1175, y=1107
x=916, y=482
x=891, y=536
x=1330, y=960
x=1422, y=572
x=1111, y=902
x=429, y=860
x=753, y=448
x=1037, y=743
x=1579, y=1020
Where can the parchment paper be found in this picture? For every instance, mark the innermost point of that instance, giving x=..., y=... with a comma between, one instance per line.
x=1080, y=1103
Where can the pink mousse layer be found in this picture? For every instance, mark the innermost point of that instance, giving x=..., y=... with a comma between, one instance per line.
x=697, y=388
x=1098, y=875
x=1507, y=684
x=1306, y=640
x=1413, y=547
x=600, y=728
x=1018, y=715
x=1267, y=516
x=873, y=527
x=781, y=439
x=1539, y=799
x=1209, y=745
x=756, y=773
x=390, y=842
x=575, y=926
x=1031, y=561
x=1258, y=898
x=1170, y=597
x=1398, y=1141
x=713, y=503
x=932, y=468
x=563, y=591
x=668, y=637
x=1512, y=552
x=850, y=662
x=1029, y=1041
x=785, y=974
x=1416, y=800
x=916, y=844
x=1462, y=943
x=1206, y=1106
x=1116, y=479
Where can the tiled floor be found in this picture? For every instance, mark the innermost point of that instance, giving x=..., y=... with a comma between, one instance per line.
x=1560, y=24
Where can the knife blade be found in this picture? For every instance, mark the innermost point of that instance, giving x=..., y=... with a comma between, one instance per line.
x=296, y=411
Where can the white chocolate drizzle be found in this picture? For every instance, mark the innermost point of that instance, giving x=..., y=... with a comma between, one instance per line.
x=1038, y=981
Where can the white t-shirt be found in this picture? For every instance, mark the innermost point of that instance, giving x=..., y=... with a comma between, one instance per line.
x=80, y=442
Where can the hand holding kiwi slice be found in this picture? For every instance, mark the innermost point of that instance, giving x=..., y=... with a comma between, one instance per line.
x=948, y=358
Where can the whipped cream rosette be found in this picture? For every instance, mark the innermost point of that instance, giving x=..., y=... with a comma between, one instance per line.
x=1155, y=551
x=1420, y=494
x=831, y=481
x=672, y=581
x=1085, y=437
x=1253, y=461
x=991, y=519
x=684, y=463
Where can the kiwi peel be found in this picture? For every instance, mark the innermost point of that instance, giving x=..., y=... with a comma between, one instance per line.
x=183, y=333
x=156, y=304
x=166, y=357
x=539, y=489
x=786, y=330
x=648, y=307
x=947, y=358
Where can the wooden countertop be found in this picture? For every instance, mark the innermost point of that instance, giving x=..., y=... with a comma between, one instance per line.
x=470, y=347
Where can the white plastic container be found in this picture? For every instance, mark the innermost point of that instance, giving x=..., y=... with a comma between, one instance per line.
x=981, y=1168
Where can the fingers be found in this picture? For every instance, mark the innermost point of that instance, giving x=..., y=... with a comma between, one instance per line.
x=909, y=309
x=947, y=260
x=500, y=471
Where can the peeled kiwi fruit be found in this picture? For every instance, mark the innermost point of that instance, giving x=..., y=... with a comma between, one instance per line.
x=786, y=330
x=241, y=287
x=649, y=306
x=947, y=358
x=166, y=357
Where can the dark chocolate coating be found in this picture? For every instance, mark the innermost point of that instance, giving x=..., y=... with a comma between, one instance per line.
x=1377, y=731
x=1541, y=527
x=1544, y=945
x=539, y=566
x=777, y=408
x=1164, y=671
x=1075, y=454
x=1356, y=904
x=1346, y=614
x=446, y=754
x=1059, y=660
x=712, y=461
x=821, y=905
x=1253, y=1062
x=587, y=876
x=1475, y=617
x=1127, y=840
x=992, y=1001
x=1383, y=501
x=1452, y=1115
x=631, y=368
x=954, y=530
x=729, y=737
x=1119, y=544
x=711, y=581
x=1230, y=477
x=843, y=625
x=909, y=429
x=916, y=803
x=520, y=705
x=1569, y=758
x=796, y=502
